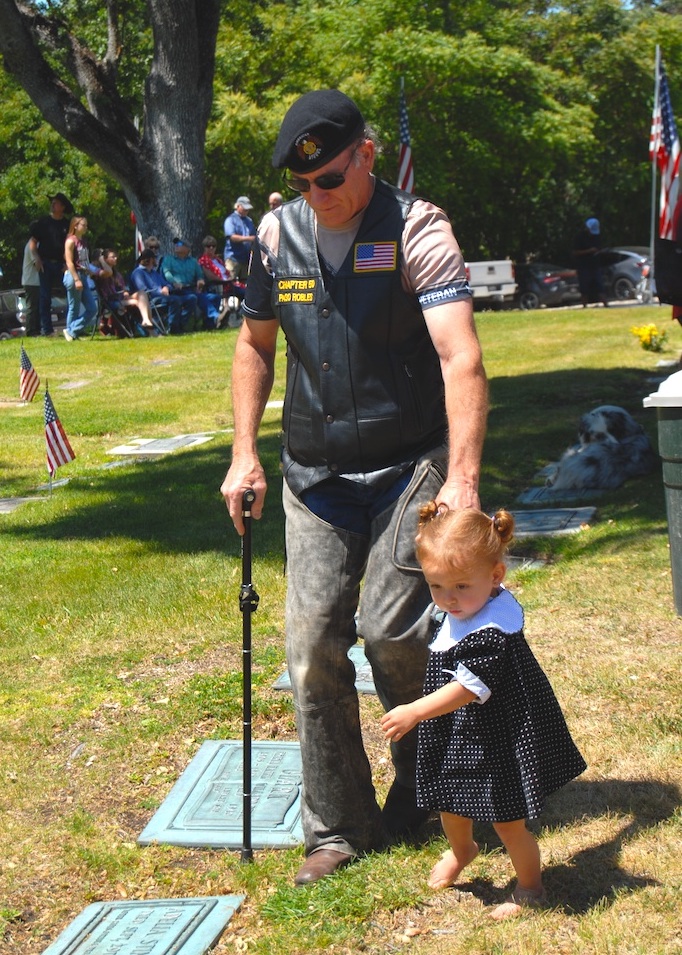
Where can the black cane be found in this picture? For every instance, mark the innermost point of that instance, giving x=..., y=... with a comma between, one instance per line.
x=248, y=604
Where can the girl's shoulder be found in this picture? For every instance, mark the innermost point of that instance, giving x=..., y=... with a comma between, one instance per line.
x=502, y=615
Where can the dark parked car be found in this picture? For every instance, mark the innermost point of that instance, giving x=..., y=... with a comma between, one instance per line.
x=10, y=314
x=622, y=270
x=540, y=283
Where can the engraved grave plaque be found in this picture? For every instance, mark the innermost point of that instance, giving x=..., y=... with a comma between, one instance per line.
x=548, y=523
x=523, y=563
x=550, y=495
x=364, y=679
x=9, y=504
x=156, y=446
x=205, y=807
x=156, y=927
x=70, y=385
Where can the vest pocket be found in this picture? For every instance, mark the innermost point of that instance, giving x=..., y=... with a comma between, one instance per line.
x=427, y=480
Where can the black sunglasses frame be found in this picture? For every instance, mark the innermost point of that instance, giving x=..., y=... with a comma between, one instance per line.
x=327, y=181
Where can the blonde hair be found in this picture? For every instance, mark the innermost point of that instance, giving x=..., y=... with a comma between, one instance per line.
x=462, y=539
x=74, y=222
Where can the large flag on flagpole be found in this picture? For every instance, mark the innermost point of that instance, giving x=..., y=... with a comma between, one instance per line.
x=405, y=170
x=28, y=379
x=59, y=451
x=664, y=150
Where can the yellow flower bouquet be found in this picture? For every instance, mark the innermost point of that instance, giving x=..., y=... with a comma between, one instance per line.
x=651, y=339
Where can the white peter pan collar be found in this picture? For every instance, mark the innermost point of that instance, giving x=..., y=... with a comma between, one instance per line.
x=502, y=612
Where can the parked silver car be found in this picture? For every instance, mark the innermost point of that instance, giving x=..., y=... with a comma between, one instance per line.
x=623, y=267
x=11, y=304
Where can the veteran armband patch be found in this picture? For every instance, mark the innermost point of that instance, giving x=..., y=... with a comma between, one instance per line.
x=453, y=292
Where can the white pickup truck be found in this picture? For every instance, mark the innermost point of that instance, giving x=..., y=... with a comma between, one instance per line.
x=492, y=283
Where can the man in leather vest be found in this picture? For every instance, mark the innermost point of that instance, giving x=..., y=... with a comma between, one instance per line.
x=385, y=409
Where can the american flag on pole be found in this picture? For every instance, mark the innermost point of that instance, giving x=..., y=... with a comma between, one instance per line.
x=405, y=170
x=28, y=379
x=664, y=150
x=59, y=451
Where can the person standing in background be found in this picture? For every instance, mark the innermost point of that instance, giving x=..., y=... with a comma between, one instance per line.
x=30, y=279
x=240, y=234
x=47, y=238
x=586, y=246
x=75, y=280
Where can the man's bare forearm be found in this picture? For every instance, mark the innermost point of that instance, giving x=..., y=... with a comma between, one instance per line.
x=253, y=373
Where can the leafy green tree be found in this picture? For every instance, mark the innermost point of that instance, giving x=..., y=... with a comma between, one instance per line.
x=36, y=162
x=93, y=69
x=526, y=115
x=492, y=130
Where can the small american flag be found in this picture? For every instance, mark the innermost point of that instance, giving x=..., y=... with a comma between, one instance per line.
x=59, y=451
x=375, y=257
x=405, y=170
x=28, y=379
x=664, y=150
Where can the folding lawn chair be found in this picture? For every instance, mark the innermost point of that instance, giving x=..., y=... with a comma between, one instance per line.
x=121, y=324
x=159, y=316
x=231, y=311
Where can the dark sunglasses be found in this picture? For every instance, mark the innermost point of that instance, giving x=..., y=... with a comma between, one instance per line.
x=329, y=180
x=210, y=245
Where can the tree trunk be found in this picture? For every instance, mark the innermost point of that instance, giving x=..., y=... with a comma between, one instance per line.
x=160, y=167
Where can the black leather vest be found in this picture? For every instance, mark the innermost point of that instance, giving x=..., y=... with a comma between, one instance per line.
x=364, y=386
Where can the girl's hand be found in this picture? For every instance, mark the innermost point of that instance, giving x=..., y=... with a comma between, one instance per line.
x=78, y=284
x=398, y=721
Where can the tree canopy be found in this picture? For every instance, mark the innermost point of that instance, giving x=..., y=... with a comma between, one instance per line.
x=131, y=86
x=526, y=116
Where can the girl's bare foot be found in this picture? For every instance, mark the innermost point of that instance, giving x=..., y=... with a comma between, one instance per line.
x=519, y=900
x=447, y=870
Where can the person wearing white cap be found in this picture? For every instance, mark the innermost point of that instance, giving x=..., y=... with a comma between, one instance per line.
x=240, y=234
x=586, y=246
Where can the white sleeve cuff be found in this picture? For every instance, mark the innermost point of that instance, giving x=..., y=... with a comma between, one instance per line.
x=470, y=682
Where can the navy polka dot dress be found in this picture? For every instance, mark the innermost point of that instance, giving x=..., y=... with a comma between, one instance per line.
x=494, y=761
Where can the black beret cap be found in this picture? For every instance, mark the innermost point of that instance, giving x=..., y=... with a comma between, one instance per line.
x=316, y=128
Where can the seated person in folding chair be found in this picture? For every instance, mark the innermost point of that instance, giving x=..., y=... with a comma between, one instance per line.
x=128, y=309
x=217, y=276
x=186, y=278
x=147, y=278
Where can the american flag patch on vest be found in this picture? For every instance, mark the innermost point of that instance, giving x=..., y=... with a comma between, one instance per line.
x=375, y=256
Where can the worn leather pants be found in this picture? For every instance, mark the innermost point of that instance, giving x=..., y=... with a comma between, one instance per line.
x=325, y=568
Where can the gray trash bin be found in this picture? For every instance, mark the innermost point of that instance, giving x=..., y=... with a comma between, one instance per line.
x=668, y=404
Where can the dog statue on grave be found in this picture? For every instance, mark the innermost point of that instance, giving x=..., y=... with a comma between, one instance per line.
x=611, y=448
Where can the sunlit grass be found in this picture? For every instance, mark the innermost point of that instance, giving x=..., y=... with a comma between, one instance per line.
x=120, y=653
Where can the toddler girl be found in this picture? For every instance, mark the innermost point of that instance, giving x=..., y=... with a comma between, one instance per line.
x=493, y=742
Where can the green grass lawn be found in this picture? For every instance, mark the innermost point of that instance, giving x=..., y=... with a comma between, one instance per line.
x=120, y=653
